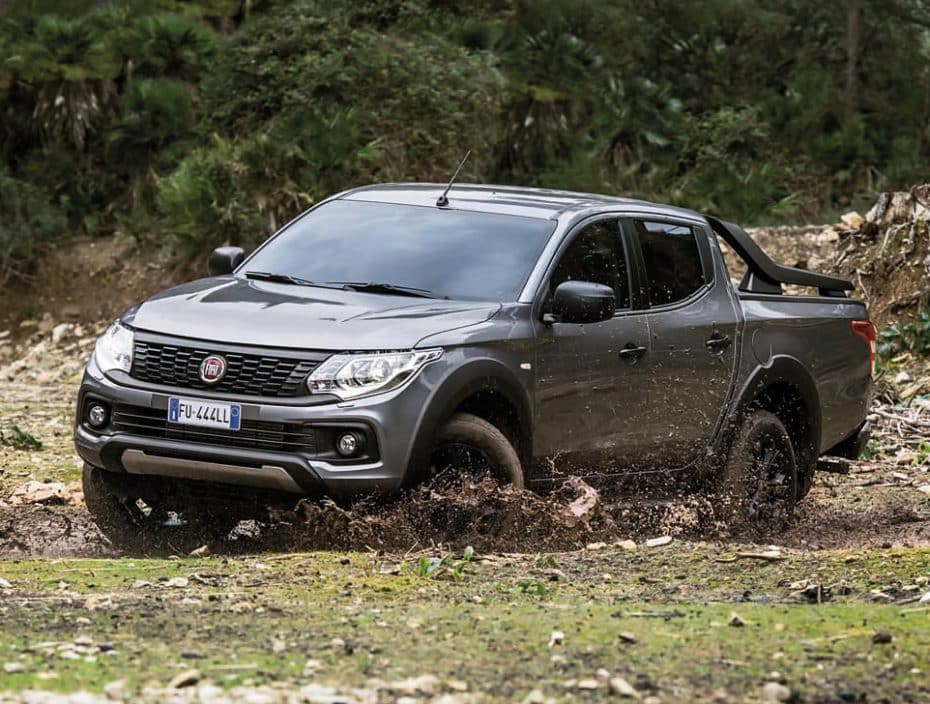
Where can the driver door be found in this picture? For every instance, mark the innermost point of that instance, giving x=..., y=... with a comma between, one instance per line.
x=592, y=379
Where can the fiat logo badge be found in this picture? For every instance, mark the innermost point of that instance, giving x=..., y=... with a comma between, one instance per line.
x=212, y=369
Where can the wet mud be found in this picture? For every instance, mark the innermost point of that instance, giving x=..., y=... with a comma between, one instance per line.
x=839, y=513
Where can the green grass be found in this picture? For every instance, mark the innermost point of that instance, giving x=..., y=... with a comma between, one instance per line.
x=259, y=620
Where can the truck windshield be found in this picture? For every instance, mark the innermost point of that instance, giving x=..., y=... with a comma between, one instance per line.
x=385, y=248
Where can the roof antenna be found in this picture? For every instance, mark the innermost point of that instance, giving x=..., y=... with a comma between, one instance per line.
x=443, y=200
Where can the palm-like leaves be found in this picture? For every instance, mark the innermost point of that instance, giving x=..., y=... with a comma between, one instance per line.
x=69, y=69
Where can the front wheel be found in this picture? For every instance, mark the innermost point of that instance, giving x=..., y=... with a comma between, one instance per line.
x=470, y=447
x=759, y=483
x=135, y=515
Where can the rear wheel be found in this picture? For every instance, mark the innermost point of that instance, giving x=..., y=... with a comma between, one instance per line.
x=759, y=483
x=469, y=447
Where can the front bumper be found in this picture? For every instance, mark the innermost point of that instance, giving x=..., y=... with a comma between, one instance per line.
x=391, y=420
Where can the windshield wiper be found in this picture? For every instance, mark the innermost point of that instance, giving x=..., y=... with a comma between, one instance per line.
x=372, y=287
x=281, y=279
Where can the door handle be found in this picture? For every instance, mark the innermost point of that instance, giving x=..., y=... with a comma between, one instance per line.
x=717, y=342
x=632, y=352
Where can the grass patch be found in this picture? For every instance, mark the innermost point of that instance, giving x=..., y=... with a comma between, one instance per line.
x=347, y=619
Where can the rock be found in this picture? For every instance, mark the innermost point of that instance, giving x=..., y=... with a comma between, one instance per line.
x=188, y=678
x=209, y=694
x=320, y=694
x=622, y=688
x=12, y=668
x=424, y=684
x=534, y=696
x=588, y=684
x=902, y=378
x=46, y=323
x=924, y=488
x=202, y=551
x=595, y=546
x=62, y=331
x=5, y=584
x=627, y=637
x=177, y=582
x=658, y=542
x=736, y=620
x=882, y=637
x=776, y=692
x=925, y=599
x=582, y=508
x=557, y=638
x=116, y=691
x=852, y=220
x=626, y=544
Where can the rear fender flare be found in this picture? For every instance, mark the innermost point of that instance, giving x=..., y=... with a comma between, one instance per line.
x=783, y=369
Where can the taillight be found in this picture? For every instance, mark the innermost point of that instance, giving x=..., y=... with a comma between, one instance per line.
x=865, y=330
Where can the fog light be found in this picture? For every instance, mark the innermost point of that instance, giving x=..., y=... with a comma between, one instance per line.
x=349, y=444
x=97, y=415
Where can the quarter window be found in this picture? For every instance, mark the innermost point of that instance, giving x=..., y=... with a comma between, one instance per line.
x=596, y=255
x=673, y=261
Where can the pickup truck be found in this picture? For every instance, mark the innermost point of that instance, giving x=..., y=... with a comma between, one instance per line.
x=391, y=335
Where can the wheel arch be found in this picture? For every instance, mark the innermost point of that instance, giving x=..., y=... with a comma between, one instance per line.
x=785, y=388
x=486, y=388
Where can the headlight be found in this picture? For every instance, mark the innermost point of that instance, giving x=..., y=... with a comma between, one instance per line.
x=114, y=349
x=356, y=375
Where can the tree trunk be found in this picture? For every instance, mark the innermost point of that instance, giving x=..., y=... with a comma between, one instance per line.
x=853, y=11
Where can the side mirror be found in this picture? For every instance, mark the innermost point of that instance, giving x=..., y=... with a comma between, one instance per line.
x=582, y=302
x=224, y=260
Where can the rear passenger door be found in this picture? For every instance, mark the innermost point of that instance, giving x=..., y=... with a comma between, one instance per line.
x=693, y=327
x=592, y=379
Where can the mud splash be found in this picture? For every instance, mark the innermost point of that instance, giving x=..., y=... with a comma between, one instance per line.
x=488, y=518
x=493, y=519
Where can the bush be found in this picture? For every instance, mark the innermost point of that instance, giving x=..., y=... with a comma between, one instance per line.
x=204, y=205
x=29, y=224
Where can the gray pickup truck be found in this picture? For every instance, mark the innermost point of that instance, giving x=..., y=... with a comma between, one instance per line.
x=391, y=334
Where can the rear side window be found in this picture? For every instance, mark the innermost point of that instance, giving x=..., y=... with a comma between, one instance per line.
x=673, y=261
x=596, y=255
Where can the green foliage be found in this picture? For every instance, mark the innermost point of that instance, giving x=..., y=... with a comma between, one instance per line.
x=444, y=565
x=28, y=223
x=217, y=121
x=19, y=439
x=913, y=336
x=922, y=455
x=872, y=450
x=530, y=587
x=204, y=203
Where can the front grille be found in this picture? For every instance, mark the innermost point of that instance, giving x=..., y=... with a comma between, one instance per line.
x=253, y=434
x=246, y=374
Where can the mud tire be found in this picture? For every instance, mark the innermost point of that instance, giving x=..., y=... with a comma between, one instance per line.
x=474, y=436
x=759, y=486
x=112, y=500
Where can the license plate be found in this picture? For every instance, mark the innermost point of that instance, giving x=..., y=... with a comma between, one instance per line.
x=206, y=414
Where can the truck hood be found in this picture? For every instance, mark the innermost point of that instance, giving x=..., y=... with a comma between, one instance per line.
x=259, y=313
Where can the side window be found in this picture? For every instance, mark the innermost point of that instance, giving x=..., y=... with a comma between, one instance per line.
x=672, y=259
x=596, y=255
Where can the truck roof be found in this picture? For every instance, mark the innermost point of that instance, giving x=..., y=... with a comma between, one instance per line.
x=507, y=200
